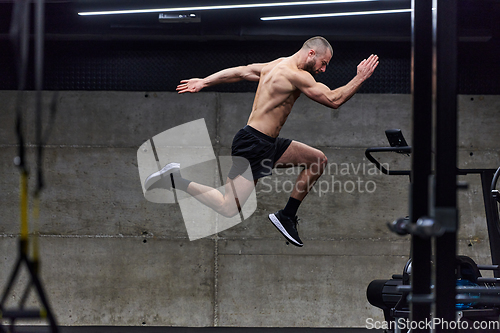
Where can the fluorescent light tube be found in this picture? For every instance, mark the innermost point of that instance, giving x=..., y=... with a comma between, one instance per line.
x=374, y=12
x=255, y=5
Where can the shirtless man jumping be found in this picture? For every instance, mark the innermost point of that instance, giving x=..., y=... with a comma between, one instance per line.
x=280, y=84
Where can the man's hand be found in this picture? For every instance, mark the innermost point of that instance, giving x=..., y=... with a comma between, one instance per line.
x=367, y=67
x=191, y=86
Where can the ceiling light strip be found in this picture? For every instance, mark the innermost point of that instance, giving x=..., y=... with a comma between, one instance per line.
x=374, y=12
x=241, y=6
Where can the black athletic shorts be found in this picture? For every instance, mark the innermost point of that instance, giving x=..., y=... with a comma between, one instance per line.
x=261, y=151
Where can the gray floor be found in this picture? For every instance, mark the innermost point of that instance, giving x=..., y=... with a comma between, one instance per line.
x=140, y=329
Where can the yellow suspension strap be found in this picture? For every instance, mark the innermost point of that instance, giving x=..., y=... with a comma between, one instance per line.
x=35, y=244
x=24, y=211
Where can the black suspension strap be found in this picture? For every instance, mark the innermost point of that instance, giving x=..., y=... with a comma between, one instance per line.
x=19, y=34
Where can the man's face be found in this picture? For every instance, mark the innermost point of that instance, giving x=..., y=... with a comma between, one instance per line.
x=317, y=63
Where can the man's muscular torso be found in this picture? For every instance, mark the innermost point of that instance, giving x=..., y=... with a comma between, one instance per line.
x=274, y=98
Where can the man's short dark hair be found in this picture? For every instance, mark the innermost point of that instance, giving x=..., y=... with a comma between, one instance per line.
x=318, y=44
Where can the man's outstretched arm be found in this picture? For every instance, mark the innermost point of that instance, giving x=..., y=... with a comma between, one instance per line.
x=229, y=75
x=335, y=98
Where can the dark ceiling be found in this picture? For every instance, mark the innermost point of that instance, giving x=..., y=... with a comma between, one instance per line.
x=478, y=21
x=137, y=52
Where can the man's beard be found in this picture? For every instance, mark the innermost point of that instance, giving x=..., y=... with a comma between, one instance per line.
x=309, y=67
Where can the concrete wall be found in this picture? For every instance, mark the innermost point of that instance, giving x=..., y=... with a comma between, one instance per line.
x=110, y=257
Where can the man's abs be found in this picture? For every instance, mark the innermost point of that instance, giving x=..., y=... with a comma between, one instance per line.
x=270, y=122
x=271, y=118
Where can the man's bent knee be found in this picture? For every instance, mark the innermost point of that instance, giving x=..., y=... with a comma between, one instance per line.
x=319, y=166
x=323, y=161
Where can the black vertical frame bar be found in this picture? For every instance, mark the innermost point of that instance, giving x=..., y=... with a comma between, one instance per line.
x=421, y=152
x=492, y=218
x=446, y=159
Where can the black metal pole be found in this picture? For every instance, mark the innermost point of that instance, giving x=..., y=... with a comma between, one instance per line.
x=421, y=152
x=445, y=30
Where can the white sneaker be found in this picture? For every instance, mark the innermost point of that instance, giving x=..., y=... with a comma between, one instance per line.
x=161, y=179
